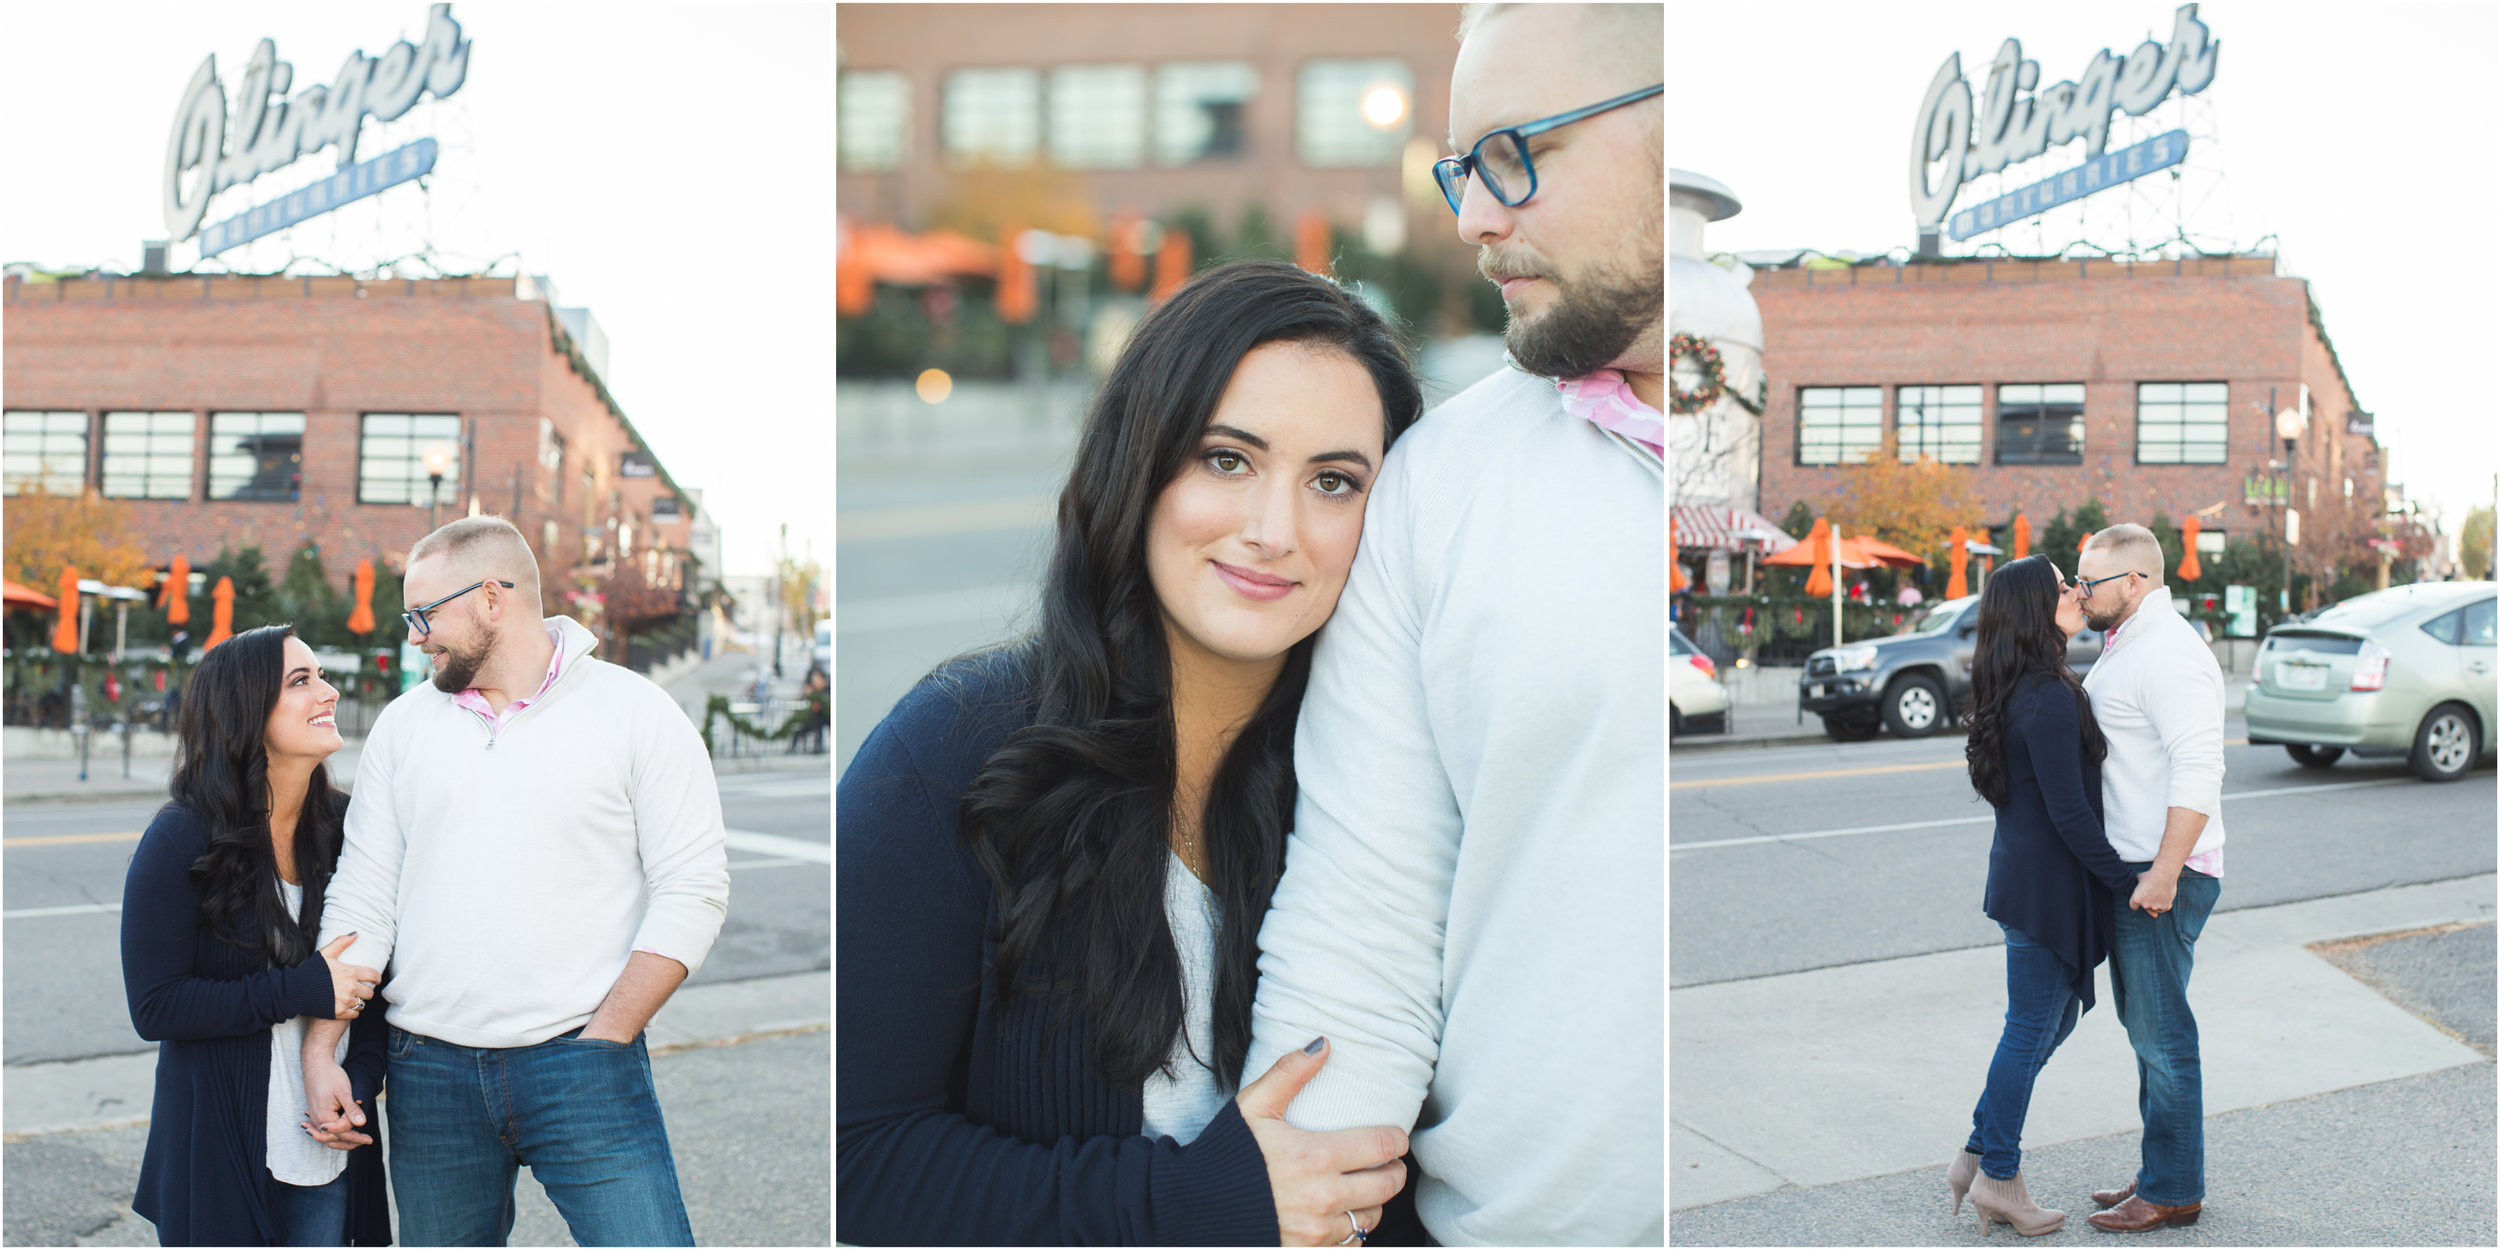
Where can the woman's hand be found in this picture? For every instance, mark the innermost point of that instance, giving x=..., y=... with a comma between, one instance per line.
x=331, y=1098
x=1319, y=1179
x=350, y=984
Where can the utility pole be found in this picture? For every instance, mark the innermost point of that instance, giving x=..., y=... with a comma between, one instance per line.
x=781, y=606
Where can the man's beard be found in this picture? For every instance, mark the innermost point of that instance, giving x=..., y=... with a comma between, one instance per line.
x=1595, y=319
x=457, y=670
x=2100, y=624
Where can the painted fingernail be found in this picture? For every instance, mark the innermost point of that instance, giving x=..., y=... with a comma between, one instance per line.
x=1316, y=1043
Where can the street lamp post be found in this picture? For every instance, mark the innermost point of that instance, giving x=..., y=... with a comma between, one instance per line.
x=2289, y=424
x=437, y=461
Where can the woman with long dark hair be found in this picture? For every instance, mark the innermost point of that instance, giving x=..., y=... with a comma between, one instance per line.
x=2035, y=755
x=1054, y=856
x=218, y=917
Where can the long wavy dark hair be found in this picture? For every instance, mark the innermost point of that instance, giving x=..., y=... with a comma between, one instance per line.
x=2018, y=636
x=1071, y=817
x=221, y=773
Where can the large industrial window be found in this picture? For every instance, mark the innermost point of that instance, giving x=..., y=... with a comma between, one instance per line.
x=1839, y=424
x=2182, y=422
x=1098, y=116
x=147, y=455
x=872, y=120
x=398, y=453
x=44, y=452
x=1354, y=112
x=1200, y=110
x=992, y=116
x=256, y=456
x=1938, y=422
x=2040, y=424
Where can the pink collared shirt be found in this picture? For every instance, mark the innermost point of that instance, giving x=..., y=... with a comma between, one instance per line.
x=495, y=721
x=1605, y=399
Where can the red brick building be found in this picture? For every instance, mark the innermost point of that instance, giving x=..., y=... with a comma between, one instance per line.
x=2144, y=384
x=276, y=412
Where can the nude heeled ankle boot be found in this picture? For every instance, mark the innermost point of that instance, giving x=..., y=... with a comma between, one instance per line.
x=2011, y=1202
x=1958, y=1174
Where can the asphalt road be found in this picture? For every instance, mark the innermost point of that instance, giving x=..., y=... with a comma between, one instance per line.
x=1742, y=908
x=61, y=879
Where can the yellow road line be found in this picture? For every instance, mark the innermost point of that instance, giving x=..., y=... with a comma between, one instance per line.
x=68, y=839
x=1847, y=772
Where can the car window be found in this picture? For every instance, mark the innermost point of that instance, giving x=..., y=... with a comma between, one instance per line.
x=1675, y=643
x=1929, y=618
x=2444, y=626
x=2479, y=622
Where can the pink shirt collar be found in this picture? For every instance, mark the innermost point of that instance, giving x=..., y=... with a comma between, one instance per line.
x=1605, y=399
x=477, y=703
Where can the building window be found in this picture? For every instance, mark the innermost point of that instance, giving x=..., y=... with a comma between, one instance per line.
x=1098, y=116
x=147, y=455
x=664, y=508
x=872, y=120
x=256, y=456
x=1354, y=112
x=1839, y=424
x=391, y=461
x=2040, y=424
x=45, y=452
x=2182, y=422
x=1939, y=422
x=992, y=116
x=1200, y=109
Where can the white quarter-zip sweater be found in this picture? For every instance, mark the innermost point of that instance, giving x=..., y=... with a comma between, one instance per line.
x=1472, y=910
x=505, y=875
x=2157, y=695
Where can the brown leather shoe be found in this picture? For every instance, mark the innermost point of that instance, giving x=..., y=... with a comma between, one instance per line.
x=2110, y=1197
x=2135, y=1215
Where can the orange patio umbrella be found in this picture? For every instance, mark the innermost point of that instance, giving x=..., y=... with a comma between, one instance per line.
x=1128, y=264
x=360, y=621
x=20, y=597
x=1310, y=242
x=65, y=634
x=1018, y=296
x=2022, y=536
x=1676, y=578
x=175, y=594
x=2189, y=570
x=1959, y=584
x=1171, y=264
x=221, y=621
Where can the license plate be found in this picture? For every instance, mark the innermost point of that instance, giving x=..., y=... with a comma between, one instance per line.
x=2301, y=676
x=1814, y=692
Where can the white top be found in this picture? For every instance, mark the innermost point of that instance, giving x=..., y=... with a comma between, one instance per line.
x=294, y=1157
x=1473, y=904
x=1179, y=1106
x=2157, y=694
x=510, y=872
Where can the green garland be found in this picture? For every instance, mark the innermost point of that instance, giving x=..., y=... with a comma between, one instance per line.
x=717, y=707
x=1713, y=379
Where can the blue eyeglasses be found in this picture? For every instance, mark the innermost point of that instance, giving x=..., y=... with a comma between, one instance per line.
x=416, y=617
x=1501, y=157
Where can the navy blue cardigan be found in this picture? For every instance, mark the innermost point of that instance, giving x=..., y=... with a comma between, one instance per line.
x=953, y=1126
x=2051, y=871
x=205, y=1180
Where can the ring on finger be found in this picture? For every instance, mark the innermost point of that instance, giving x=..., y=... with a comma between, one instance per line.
x=1356, y=1237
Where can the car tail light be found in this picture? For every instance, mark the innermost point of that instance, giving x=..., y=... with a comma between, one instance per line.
x=1707, y=668
x=2369, y=669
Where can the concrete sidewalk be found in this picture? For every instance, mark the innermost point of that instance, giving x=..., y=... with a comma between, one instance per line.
x=1842, y=1074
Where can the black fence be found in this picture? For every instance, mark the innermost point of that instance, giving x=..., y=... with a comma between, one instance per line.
x=732, y=734
x=1779, y=632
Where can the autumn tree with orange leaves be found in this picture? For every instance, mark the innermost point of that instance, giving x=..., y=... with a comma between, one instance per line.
x=87, y=530
x=1912, y=506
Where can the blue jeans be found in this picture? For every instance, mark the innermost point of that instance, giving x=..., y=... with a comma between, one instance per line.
x=2040, y=1010
x=581, y=1113
x=315, y=1215
x=2149, y=961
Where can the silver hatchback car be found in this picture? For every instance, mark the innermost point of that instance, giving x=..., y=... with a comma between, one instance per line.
x=2406, y=671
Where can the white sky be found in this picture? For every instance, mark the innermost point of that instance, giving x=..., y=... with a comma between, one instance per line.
x=2360, y=135
x=667, y=166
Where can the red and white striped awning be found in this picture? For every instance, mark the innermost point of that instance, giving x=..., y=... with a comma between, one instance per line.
x=1728, y=529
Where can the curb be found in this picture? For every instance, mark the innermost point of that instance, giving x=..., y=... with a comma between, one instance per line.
x=117, y=1091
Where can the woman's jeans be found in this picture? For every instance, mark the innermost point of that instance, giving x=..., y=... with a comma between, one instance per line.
x=2150, y=958
x=2040, y=1010
x=315, y=1215
x=582, y=1113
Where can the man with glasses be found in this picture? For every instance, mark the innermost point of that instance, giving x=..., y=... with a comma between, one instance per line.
x=2158, y=697
x=535, y=851
x=1472, y=905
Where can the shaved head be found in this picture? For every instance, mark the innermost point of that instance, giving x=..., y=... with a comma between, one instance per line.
x=2130, y=548
x=480, y=547
x=1618, y=47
